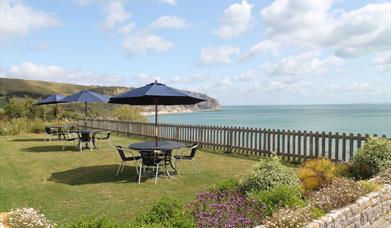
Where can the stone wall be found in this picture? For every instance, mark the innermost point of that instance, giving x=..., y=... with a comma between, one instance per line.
x=372, y=210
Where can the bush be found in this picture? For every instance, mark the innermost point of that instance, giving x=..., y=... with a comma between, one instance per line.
x=269, y=173
x=372, y=158
x=22, y=125
x=369, y=186
x=228, y=209
x=226, y=185
x=166, y=213
x=128, y=113
x=317, y=173
x=281, y=196
x=22, y=108
x=28, y=217
x=338, y=194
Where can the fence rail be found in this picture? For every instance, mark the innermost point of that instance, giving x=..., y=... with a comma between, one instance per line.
x=290, y=144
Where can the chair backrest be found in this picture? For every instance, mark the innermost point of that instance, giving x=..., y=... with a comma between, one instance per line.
x=108, y=134
x=85, y=137
x=68, y=136
x=149, y=157
x=103, y=135
x=193, y=150
x=121, y=152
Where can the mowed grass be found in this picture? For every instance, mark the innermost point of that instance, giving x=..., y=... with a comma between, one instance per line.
x=66, y=185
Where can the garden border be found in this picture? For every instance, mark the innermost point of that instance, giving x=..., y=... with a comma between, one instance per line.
x=371, y=210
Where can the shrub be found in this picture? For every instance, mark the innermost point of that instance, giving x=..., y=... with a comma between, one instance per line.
x=372, y=158
x=226, y=185
x=128, y=113
x=369, y=186
x=228, y=209
x=338, y=194
x=22, y=107
x=317, y=173
x=342, y=170
x=280, y=196
x=166, y=213
x=28, y=217
x=269, y=173
x=21, y=125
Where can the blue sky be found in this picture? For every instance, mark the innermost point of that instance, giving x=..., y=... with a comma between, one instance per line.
x=240, y=52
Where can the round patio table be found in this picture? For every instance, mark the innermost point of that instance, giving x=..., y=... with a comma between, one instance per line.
x=164, y=146
x=60, y=129
x=91, y=132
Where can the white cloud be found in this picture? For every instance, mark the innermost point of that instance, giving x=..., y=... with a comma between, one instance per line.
x=172, y=22
x=296, y=20
x=170, y=2
x=115, y=13
x=383, y=61
x=218, y=55
x=145, y=43
x=33, y=71
x=262, y=47
x=247, y=76
x=361, y=31
x=306, y=63
x=197, y=78
x=223, y=83
x=17, y=19
x=312, y=24
x=235, y=21
x=127, y=28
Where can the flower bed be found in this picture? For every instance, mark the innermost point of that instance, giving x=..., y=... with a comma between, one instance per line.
x=369, y=210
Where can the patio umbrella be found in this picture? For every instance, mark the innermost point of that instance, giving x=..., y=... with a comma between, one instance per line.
x=155, y=94
x=86, y=97
x=52, y=99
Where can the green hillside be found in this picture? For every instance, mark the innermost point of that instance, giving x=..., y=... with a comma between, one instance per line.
x=38, y=89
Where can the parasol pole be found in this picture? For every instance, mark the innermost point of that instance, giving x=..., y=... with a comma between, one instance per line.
x=156, y=126
x=85, y=114
x=58, y=122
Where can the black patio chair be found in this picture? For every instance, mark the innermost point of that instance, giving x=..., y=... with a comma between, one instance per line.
x=49, y=133
x=121, y=151
x=103, y=136
x=149, y=159
x=69, y=137
x=87, y=139
x=191, y=157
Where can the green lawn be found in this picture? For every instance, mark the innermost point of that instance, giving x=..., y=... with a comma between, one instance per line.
x=68, y=184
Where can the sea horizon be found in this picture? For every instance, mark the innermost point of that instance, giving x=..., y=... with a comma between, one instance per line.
x=360, y=118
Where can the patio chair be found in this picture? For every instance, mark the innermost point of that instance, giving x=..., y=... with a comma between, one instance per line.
x=149, y=159
x=121, y=151
x=49, y=133
x=69, y=137
x=103, y=136
x=191, y=157
x=87, y=139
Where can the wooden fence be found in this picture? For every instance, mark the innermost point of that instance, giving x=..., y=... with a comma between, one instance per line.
x=290, y=144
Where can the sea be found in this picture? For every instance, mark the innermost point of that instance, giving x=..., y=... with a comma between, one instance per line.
x=349, y=118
